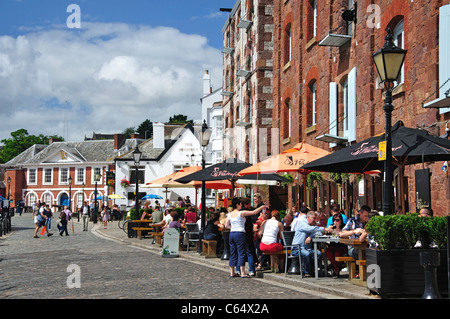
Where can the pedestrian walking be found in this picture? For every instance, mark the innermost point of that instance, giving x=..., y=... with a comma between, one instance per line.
x=48, y=212
x=41, y=221
x=65, y=216
x=105, y=217
x=86, y=213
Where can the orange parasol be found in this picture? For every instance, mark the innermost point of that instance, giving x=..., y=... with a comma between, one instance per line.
x=288, y=161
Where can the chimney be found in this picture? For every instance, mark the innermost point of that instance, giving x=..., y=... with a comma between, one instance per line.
x=158, y=135
x=206, y=83
x=118, y=140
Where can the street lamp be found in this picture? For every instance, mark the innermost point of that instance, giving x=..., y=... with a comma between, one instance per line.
x=137, y=154
x=82, y=201
x=204, y=136
x=388, y=61
x=97, y=177
x=69, y=180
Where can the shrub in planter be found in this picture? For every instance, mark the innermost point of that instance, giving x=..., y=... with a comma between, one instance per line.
x=397, y=255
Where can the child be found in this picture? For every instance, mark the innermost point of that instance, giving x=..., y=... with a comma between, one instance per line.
x=105, y=217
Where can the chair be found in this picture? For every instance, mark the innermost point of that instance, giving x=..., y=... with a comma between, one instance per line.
x=288, y=237
x=193, y=234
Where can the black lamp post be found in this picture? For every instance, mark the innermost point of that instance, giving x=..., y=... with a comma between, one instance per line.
x=204, y=135
x=69, y=180
x=388, y=61
x=82, y=202
x=95, y=215
x=137, y=154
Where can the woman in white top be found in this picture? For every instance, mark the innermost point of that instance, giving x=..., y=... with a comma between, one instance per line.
x=238, y=243
x=271, y=235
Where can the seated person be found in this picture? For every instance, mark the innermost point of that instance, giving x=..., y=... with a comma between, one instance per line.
x=334, y=212
x=355, y=228
x=212, y=231
x=304, y=231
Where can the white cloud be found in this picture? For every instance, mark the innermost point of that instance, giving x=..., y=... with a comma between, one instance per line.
x=112, y=75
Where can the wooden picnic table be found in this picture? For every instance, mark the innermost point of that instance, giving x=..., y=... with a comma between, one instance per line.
x=360, y=246
x=157, y=234
x=142, y=225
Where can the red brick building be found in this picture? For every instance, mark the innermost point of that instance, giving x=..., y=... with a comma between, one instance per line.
x=325, y=82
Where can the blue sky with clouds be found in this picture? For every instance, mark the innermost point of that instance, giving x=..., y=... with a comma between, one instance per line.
x=130, y=60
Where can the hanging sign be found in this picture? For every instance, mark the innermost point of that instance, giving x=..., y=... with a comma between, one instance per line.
x=382, y=151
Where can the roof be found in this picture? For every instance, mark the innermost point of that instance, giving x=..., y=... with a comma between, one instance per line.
x=92, y=151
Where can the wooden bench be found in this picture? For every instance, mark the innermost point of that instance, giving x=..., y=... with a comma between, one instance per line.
x=362, y=269
x=274, y=258
x=350, y=262
x=158, y=237
x=209, y=248
x=140, y=229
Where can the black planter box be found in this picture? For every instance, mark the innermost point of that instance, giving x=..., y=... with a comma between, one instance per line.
x=401, y=275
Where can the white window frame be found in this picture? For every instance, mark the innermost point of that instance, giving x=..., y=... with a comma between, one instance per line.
x=314, y=18
x=29, y=181
x=44, y=175
x=399, y=40
x=95, y=170
x=66, y=181
x=77, y=175
x=314, y=104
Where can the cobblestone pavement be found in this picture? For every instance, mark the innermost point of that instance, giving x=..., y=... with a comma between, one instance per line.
x=48, y=266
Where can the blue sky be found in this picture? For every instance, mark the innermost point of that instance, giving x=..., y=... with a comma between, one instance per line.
x=130, y=60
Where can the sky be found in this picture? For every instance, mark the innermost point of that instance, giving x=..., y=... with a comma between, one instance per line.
x=71, y=68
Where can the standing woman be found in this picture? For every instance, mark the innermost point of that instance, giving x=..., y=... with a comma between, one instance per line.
x=238, y=244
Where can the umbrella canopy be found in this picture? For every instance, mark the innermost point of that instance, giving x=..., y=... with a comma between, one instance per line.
x=115, y=196
x=409, y=146
x=169, y=180
x=262, y=179
x=227, y=169
x=288, y=161
x=152, y=196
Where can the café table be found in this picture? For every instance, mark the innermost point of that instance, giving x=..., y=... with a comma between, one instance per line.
x=325, y=240
x=360, y=246
x=226, y=243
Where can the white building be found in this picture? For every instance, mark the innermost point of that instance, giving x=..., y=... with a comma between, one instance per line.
x=212, y=114
x=171, y=148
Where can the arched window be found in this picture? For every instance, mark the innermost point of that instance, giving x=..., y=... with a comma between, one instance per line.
x=287, y=53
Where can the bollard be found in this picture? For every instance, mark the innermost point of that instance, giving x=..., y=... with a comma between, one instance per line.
x=430, y=260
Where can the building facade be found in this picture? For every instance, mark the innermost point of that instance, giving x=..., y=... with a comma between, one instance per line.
x=326, y=89
x=247, y=80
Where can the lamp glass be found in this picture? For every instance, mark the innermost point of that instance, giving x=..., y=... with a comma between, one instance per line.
x=205, y=134
x=69, y=180
x=137, y=155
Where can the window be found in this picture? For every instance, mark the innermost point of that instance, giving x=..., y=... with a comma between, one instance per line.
x=140, y=176
x=31, y=199
x=314, y=7
x=312, y=111
x=79, y=175
x=95, y=171
x=48, y=198
x=345, y=104
x=63, y=175
x=399, y=40
x=32, y=176
x=287, y=44
x=288, y=119
x=48, y=176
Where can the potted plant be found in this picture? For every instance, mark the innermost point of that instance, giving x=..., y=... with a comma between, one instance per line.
x=124, y=183
x=394, y=265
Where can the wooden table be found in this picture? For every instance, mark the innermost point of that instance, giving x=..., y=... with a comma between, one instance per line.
x=142, y=225
x=360, y=246
x=322, y=239
x=157, y=233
